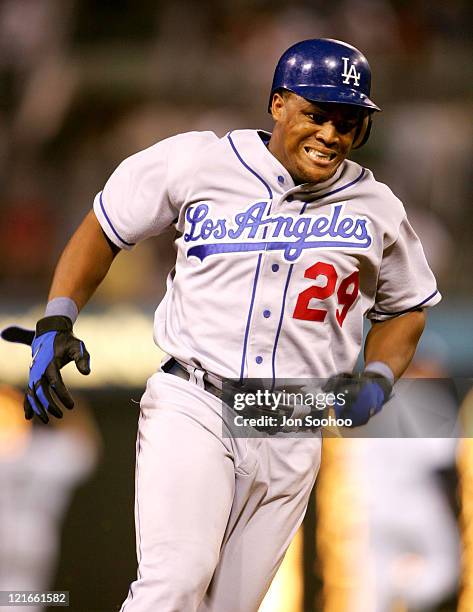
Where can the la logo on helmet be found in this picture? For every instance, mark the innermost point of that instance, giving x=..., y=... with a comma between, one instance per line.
x=350, y=73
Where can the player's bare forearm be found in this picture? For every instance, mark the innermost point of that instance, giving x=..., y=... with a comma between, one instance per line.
x=83, y=264
x=394, y=341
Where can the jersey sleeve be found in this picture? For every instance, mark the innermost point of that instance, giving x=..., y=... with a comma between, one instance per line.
x=405, y=280
x=135, y=203
x=142, y=197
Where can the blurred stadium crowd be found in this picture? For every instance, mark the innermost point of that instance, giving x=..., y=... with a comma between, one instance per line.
x=85, y=84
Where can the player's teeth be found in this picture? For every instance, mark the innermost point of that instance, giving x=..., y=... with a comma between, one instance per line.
x=317, y=154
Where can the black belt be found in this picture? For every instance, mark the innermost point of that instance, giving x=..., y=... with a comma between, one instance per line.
x=174, y=367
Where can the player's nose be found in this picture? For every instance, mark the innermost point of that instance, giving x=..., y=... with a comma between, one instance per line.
x=327, y=132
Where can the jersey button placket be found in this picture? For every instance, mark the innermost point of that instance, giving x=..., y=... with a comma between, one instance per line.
x=265, y=323
x=261, y=336
x=270, y=290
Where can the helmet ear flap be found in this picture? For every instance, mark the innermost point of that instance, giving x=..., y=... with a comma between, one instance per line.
x=363, y=132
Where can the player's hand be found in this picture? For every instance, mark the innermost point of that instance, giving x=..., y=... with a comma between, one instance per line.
x=52, y=347
x=364, y=395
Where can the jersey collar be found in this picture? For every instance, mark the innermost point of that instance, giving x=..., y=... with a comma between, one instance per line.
x=252, y=146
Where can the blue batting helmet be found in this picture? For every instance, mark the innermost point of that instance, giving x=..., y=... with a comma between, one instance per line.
x=327, y=70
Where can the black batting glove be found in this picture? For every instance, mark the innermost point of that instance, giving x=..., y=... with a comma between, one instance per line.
x=52, y=346
x=363, y=395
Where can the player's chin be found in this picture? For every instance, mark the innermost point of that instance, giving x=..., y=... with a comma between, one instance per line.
x=314, y=172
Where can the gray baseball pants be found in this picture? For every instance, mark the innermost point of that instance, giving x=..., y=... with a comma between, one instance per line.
x=214, y=516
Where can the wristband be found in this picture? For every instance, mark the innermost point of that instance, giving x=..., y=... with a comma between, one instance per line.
x=56, y=323
x=381, y=368
x=62, y=306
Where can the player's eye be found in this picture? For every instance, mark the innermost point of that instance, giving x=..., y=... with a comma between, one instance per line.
x=318, y=118
x=344, y=127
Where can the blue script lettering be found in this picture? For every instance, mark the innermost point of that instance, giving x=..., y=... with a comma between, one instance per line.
x=208, y=228
x=255, y=230
x=251, y=219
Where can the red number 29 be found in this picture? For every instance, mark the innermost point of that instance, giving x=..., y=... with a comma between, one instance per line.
x=327, y=277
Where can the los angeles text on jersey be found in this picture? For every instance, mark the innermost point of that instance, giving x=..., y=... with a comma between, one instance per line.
x=256, y=229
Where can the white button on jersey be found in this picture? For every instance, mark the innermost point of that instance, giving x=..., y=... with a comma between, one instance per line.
x=271, y=279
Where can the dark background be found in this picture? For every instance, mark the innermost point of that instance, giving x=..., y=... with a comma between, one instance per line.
x=98, y=559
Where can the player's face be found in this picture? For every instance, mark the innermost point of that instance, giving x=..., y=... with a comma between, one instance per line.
x=312, y=139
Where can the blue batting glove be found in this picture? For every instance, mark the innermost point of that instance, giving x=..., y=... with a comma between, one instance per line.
x=52, y=346
x=364, y=395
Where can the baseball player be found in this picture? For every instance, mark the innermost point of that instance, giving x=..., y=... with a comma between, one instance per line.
x=283, y=246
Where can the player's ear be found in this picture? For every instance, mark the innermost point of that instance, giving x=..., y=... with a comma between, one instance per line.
x=278, y=104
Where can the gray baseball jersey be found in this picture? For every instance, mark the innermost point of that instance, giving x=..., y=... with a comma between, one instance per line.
x=271, y=278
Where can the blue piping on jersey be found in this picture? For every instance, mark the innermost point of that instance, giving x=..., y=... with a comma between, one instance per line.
x=400, y=312
x=283, y=306
x=130, y=244
x=255, y=281
x=258, y=265
x=358, y=178
x=248, y=167
x=250, y=312
x=329, y=193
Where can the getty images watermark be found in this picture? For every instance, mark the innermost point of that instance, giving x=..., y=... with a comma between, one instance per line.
x=274, y=411
x=417, y=408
